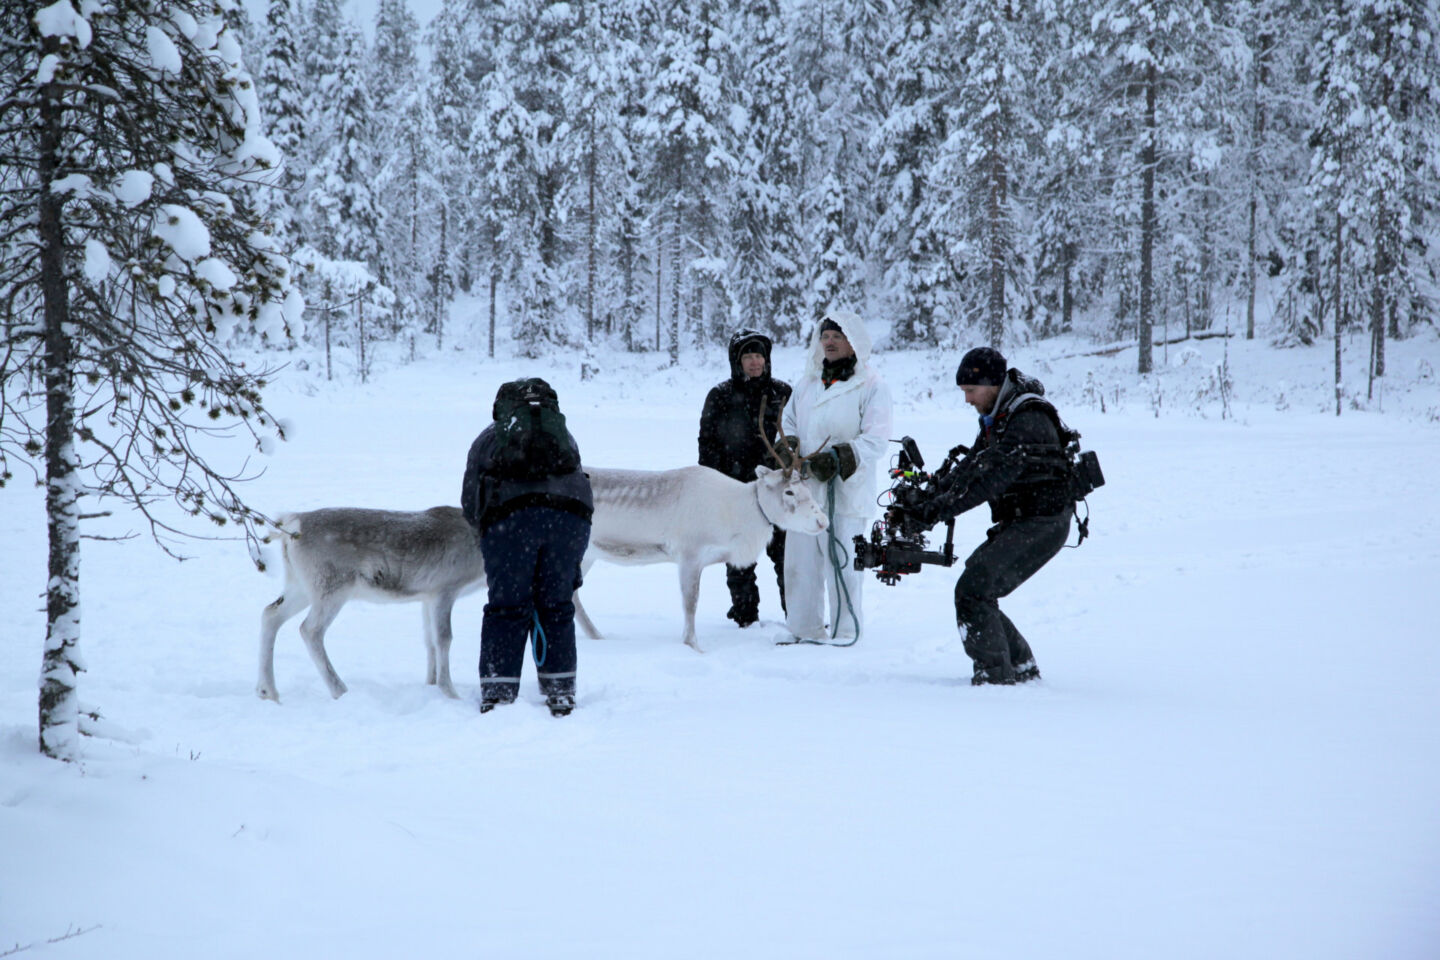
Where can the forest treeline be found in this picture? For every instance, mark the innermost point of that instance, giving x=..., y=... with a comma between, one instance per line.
x=654, y=174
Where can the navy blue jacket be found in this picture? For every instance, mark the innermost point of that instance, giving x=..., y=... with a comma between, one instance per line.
x=486, y=498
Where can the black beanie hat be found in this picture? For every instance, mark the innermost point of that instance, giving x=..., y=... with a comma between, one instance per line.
x=829, y=324
x=981, y=367
x=755, y=345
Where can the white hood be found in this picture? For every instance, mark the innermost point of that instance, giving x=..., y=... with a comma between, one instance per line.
x=854, y=329
x=856, y=411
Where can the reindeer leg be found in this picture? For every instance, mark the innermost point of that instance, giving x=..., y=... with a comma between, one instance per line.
x=689, y=597
x=581, y=616
x=312, y=630
x=441, y=635
x=272, y=618
x=427, y=617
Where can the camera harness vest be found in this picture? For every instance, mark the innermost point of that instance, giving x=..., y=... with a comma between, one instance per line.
x=1047, y=496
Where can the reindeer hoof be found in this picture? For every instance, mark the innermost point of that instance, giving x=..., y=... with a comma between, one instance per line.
x=694, y=644
x=266, y=693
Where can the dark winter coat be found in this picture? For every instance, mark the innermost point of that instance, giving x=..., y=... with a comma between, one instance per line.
x=486, y=498
x=730, y=438
x=1016, y=464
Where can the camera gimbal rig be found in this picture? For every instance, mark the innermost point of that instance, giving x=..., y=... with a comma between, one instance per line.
x=896, y=547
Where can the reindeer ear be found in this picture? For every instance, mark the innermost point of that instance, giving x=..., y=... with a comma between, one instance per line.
x=761, y=470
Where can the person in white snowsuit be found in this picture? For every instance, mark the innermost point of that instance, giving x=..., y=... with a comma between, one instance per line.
x=840, y=415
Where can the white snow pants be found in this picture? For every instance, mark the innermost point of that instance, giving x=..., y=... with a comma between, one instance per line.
x=809, y=574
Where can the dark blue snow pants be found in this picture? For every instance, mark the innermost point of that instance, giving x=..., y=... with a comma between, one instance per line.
x=532, y=566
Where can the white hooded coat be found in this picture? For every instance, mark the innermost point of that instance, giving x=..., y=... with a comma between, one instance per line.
x=855, y=411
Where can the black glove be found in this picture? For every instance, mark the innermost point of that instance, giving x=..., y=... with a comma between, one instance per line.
x=785, y=451
x=839, y=459
x=823, y=465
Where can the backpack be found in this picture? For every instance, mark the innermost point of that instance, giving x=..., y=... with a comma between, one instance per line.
x=532, y=440
x=1081, y=468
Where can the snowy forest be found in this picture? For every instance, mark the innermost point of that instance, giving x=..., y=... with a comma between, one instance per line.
x=655, y=175
x=185, y=187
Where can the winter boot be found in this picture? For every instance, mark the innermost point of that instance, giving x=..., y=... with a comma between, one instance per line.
x=984, y=676
x=1027, y=671
x=489, y=702
x=560, y=704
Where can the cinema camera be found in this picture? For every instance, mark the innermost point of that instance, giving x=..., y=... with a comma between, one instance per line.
x=896, y=547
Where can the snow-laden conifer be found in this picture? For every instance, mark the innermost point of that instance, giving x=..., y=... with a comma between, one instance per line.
x=909, y=236
x=130, y=255
x=279, y=85
x=768, y=263
x=686, y=111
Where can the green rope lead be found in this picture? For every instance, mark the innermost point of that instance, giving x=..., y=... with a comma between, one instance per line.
x=839, y=559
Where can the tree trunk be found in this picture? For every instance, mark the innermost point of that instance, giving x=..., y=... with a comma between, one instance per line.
x=1147, y=224
x=59, y=709
x=1067, y=292
x=494, y=280
x=1259, y=78
x=1339, y=254
x=677, y=228
x=325, y=292
x=1250, y=269
x=591, y=242
x=360, y=333
x=996, y=219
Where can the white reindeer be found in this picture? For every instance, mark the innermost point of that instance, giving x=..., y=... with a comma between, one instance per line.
x=693, y=517
x=336, y=554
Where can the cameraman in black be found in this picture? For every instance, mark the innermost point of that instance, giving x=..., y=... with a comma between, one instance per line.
x=1017, y=465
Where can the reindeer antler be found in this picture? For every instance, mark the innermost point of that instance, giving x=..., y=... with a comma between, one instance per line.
x=794, y=459
x=787, y=463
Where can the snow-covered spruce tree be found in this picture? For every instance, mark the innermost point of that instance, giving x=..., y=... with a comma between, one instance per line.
x=978, y=166
x=1396, y=41
x=833, y=269
x=398, y=119
x=839, y=49
x=129, y=256
x=342, y=216
x=1146, y=51
x=1064, y=173
x=1265, y=115
x=627, y=24
x=922, y=71
x=279, y=84
x=593, y=91
x=1416, y=56
x=686, y=113
x=544, y=49
x=464, y=41
x=1334, y=186
x=766, y=268
x=342, y=210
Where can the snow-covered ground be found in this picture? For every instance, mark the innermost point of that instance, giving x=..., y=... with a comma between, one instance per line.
x=1235, y=750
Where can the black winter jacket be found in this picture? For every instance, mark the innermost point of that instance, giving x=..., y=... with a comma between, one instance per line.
x=729, y=425
x=1016, y=464
x=486, y=498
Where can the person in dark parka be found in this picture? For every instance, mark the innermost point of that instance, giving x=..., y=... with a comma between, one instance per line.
x=533, y=534
x=730, y=441
x=1017, y=465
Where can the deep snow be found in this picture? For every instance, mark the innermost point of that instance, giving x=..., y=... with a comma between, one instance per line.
x=1235, y=751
